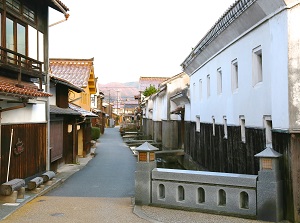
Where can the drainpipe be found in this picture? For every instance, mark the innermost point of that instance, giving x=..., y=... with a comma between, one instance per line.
x=63, y=11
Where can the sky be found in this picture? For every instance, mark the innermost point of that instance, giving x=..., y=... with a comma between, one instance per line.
x=129, y=39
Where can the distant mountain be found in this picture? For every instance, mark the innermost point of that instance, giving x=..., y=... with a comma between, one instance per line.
x=123, y=91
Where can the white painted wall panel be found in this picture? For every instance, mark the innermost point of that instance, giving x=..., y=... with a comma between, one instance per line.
x=32, y=113
x=268, y=97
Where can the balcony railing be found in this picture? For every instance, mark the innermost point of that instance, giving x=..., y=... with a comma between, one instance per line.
x=21, y=65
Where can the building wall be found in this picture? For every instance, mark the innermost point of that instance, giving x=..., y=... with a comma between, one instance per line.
x=275, y=98
x=293, y=68
x=247, y=99
x=82, y=99
x=32, y=113
x=157, y=131
x=148, y=128
x=32, y=160
x=169, y=130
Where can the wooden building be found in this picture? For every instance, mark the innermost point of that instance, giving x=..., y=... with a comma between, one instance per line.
x=99, y=110
x=80, y=73
x=63, y=124
x=24, y=86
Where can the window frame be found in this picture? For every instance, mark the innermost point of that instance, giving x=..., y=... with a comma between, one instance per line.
x=234, y=75
x=219, y=81
x=257, y=65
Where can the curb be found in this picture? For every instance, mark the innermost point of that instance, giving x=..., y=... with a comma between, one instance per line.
x=33, y=196
x=137, y=210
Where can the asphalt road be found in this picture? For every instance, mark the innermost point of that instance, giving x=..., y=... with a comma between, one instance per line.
x=109, y=174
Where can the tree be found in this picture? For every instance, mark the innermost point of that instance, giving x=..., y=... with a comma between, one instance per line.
x=150, y=91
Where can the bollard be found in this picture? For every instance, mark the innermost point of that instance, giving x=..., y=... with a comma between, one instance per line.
x=146, y=163
x=269, y=186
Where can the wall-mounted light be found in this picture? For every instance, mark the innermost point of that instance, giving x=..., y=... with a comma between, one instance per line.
x=69, y=128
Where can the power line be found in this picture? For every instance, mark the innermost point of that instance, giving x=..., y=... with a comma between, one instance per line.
x=118, y=87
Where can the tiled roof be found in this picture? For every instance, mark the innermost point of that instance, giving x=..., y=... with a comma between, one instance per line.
x=62, y=111
x=154, y=81
x=231, y=14
x=10, y=87
x=172, y=78
x=159, y=79
x=66, y=83
x=82, y=111
x=75, y=71
x=53, y=5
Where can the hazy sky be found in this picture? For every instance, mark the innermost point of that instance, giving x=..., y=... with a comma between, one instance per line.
x=133, y=38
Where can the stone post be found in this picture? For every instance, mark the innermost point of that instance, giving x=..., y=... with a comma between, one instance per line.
x=143, y=174
x=269, y=186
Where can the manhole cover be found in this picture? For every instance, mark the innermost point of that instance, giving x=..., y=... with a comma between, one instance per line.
x=57, y=214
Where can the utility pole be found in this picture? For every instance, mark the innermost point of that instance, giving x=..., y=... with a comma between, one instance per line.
x=109, y=104
x=118, y=102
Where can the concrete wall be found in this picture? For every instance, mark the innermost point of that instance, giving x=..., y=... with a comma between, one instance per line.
x=170, y=135
x=207, y=191
x=157, y=131
x=148, y=127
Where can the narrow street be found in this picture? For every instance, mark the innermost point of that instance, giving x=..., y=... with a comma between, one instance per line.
x=101, y=192
x=109, y=174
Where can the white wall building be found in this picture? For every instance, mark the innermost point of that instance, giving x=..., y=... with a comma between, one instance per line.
x=160, y=122
x=244, y=85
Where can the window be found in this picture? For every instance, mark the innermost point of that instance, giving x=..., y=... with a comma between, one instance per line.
x=234, y=75
x=15, y=37
x=9, y=34
x=268, y=129
x=200, y=90
x=225, y=127
x=28, y=14
x=194, y=89
x=14, y=4
x=41, y=47
x=208, y=85
x=21, y=39
x=197, y=123
x=243, y=129
x=219, y=80
x=10, y=38
x=257, y=75
x=21, y=9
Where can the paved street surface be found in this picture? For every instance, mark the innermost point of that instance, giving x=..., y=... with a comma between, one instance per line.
x=109, y=174
x=102, y=190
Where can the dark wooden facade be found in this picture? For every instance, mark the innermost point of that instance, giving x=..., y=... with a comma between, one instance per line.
x=219, y=154
x=231, y=155
x=63, y=141
x=87, y=137
x=56, y=139
x=32, y=160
